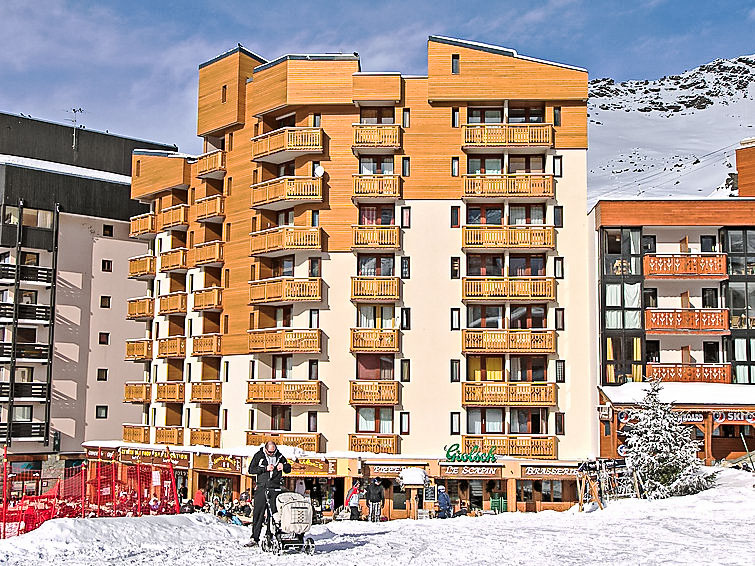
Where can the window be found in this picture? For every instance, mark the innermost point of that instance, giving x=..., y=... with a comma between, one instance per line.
x=224, y=94
x=405, y=271
x=485, y=265
x=225, y=419
x=455, y=371
x=405, y=167
x=102, y=374
x=105, y=302
x=280, y=417
x=520, y=214
x=316, y=120
x=377, y=215
x=707, y=244
x=519, y=114
x=383, y=115
x=406, y=216
x=482, y=316
x=560, y=371
x=315, y=264
x=227, y=234
x=403, y=422
x=230, y=141
x=406, y=318
x=455, y=268
x=107, y=265
x=104, y=338
x=311, y=421
x=559, y=423
x=527, y=316
x=486, y=368
x=648, y=244
x=100, y=412
x=557, y=116
x=107, y=230
x=405, y=117
x=251, y=419
x=22, y=413
x=314, y=369
x=455, y=424
x=138, y=171
x=455, y=64
x=489, y=214
x=375, y=265
x=226, y=371
x=375, y=419
x=558, y=216
x=375, y=366
x=252, y=370
x=529, y=421
x=484, y=165
x=405, y=370
x=455, y=214
x=315, y=218
x=228, y=186
x=558, y=267
x=710, y=352
x=650, y=298
x=485, y=421
x=653, y=351
x=710, y=298
x=314, y=318
x=315, y=165
x=455, y=319
x=525, y=368
x=226, y=278
x=558, y=170
x=454, y=167
x=559, y=318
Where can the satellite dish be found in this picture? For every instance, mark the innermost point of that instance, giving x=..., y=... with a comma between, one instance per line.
x=319, y=171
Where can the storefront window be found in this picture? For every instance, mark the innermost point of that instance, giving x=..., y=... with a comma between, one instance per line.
x=524, y=490
x=399, y=497
x=553, y=491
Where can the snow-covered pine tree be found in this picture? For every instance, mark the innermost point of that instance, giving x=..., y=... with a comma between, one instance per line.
x=662, y=450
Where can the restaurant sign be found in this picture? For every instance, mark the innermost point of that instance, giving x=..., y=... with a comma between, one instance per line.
x=313, y=467
x=454, y=454
x=549, y=471
x=102, y=453
x=389, y=470
x=154, y=457
x=453, y=471
x=222, y=463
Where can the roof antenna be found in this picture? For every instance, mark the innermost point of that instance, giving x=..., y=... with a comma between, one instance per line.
x=74, y=111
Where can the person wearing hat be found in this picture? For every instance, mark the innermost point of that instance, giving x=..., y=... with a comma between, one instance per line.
x=444, y=503
x=352, y=502
x=375, y=498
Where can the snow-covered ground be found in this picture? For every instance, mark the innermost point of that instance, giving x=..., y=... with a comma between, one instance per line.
x=713, y=527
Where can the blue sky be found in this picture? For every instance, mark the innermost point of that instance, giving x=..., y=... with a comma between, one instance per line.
x=132, y=65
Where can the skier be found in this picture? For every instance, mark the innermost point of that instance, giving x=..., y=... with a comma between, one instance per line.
x=444, y=503
x=352, y=501
x=268, y=465
x=375, y=498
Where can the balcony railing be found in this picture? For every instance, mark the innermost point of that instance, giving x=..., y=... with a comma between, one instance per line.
x=375, y=288
x=208, y=299
x=209, y=253
x=308, y=441
x=704, y=373
x=205, y=437
x=374, y=340
x=284, y=239
x=142, y=267
x=174, y=260
x=21, y=390
x=687, y=266
x=284, y=341
x=207, y=345
x=173, y=435
x=682, y=321
x=539, y=447
x=376, y=186
x=508, y=341
x=482, y=236
x=286, y=143
x=174, y=303
x=211, y=165
x=498, y=394
x=141, y=309
x=284, y=392
x=509, y=288
x=375, y=443
x=176, y=216
x=143, y=225
x=207, y=392
x=535, y=185
x=23, y=430
x=373, y=392
x=285, y=192
x=170, y=392
x=285, y=290
x=507, y=135
x=26, y=313
x=210, y=209
x=173, y=347
x=377, y=136
x=139, y=350
x=29, y=274
x=375, y=237
x=137, y=392
x=136, y=433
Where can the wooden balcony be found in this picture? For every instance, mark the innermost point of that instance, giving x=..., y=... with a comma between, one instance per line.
x=173, y=435
x=285, y=144
x=211, y=165
x=137, y=392
x=687, y=321
x=284, y=392
x=497, y=237
x=380, y=289
x=702, y=373
x=143, y=226
x=210, y=209
x=534, y=341
x=142, y=267
x=283, y=240
x=209, y=254
x=685, y=266
x=207, y=345
x=207, y=392
x=284, y=340
x=519, y=185
x=501, y=394
x=136, y=433
x=174, y=303
x=142, y=308
x=173, y=347
x=376, y=237
x=174, y=260
x=208, y=299
x=281, y=290
x=374, y=340
x=170, y=392
x=139, y=350
x=482, y=136
x=376, y=138
x=538, y=447
x=381, y=187
x=374, y=392
x=175, y=217
x=308, y=441
x=375, y=443
x=286, y=192
x=209, y=437
x=508, y=288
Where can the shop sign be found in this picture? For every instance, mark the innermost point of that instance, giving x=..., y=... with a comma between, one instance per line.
x=622, y=450
x=692, y=417
x=734, y=417
x=549, y=471
x=389, y=470
x=165, y=458
x=134, y=456
x=453, y=471
x=222, y=463
x=313, y=467
x=102, y=454
x=454, y=454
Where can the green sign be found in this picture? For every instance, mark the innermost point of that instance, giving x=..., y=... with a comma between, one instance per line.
x=454, y=454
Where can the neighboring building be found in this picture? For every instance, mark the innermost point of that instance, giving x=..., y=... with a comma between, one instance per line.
x=64, y=249
x=677, y=303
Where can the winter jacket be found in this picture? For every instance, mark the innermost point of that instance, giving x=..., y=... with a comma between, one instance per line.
x=198, y=499
x=352, y=498
x=444, y=502
x=375, y=493
x=258, y=467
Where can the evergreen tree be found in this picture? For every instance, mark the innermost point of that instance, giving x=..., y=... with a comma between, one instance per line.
x=662, y=450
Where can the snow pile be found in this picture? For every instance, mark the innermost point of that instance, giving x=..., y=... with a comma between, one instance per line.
x=412, y=476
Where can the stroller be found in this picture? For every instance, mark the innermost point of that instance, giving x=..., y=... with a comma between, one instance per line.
x=288, y=525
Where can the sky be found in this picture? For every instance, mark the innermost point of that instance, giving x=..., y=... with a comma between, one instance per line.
x=131, y=65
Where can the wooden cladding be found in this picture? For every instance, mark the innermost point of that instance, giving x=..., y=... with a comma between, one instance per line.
x=375, y=288
x=376, y=136
x=143, y=225
x=689, y=266
x=500, y=394
x=490, y=236
x=703, y=373
x=284, y=192
x=154, y=173
x=142, y=267
x=174, y=303
x=141, y=309
x=208, y=299
x=204, y=437
x=136, y=433
x=174, y=260
x=376, y=237
x=535, y=185
x=285, y=290
x=306, y=441
x=374, y=392
x=211, y=165
x=173, y=435
x=285, y=144
x=207, y=392
x=283, y=239
x=209, y=254
x=175, y=217
x=508, y=341
x=207, y=345
x=540, y=447
x=683, y=321
x=137, y=392
x=371, y=87
x=507, y=135
x=374, y=340
x=284, y=392
x=139, y=350
x=170, y=392
x=210, y=209
x=284, y=340
x=376, y=186
x=173, y=347
x=376, y=443
x=508, y=288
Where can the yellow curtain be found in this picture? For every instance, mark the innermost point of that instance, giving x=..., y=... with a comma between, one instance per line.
x=637, y=357
x=610, y=368
x=494, y=369
x=474, y=369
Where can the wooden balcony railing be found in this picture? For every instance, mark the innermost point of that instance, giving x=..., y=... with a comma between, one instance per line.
x=285, y=143
x=375, y=237
x=174, y=303
x=375, y=443
x=210, y=208
x=142, y=308
x=142, y=267
x=682, y=321
x=509, y=288
x=373, y=392
x=499, y=394
x=175, y=217
x=170, y=392
x=374, y=340
x=283, y=239
x=481, y=236
x=173, y=435
x=539, y=447
x=685, y=266
x=137, y=392
x=138, y=350
x=508, y=135
x=284, y=341
x=173, y=347
x=211, y=165
x=284, y=392
x=209, y=253
x=204, y=437
x=143, y=225
x=376, y=186
x=509, y=341
x=206, y=392
x=174, y=260
x=536, y=185
x=377, y=136
x=208, y=299
x=286, y=191
x=704, y=373
x=285, y=290
x=136, y=433
x=309, y=441
x=375, y=288
x=207, y=345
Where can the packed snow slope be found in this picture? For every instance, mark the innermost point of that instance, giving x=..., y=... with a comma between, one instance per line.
x=674, y=136
x=709, y=528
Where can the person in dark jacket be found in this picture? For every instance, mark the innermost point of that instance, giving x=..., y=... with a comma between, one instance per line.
x=444, y=503
x=268, y=465
x=375, y=498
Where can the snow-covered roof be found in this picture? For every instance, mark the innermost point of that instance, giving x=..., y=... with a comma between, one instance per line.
x=63, y=169
x=684, y=393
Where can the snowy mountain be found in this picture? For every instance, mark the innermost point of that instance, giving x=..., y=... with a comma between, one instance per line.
x=674, y=136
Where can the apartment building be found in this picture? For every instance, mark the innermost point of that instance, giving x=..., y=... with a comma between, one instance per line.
x=375, y=268
x=64, y=249
x=677, y=303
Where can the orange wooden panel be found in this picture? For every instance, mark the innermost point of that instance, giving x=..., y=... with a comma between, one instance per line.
x=159, y=172
x=746, y=171
x=729, y=212
x=376, y=87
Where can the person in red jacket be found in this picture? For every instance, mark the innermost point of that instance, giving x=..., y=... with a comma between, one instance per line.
x=199, y=500
x=352, y=502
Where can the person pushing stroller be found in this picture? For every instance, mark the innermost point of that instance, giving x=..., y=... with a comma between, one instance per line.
x=268, y=465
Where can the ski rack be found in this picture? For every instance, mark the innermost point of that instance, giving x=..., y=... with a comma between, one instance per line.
x=606, y=479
